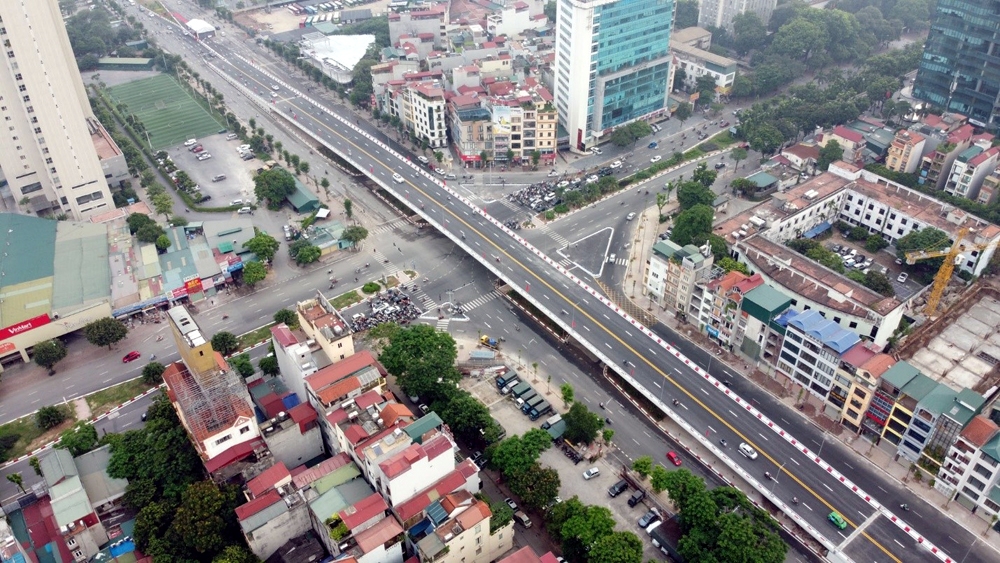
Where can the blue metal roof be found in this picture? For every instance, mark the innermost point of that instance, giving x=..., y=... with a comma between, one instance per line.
x=838, y=339
x=817, y=230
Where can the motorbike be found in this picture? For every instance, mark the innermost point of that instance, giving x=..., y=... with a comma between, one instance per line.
x=723, y=443
x=159, y=338
x=676, y=402
x=224, y=317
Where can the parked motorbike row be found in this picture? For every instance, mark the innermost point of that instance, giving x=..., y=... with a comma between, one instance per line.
x=571, y=453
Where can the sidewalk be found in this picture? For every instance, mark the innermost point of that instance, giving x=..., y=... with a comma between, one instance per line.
x=879, y=459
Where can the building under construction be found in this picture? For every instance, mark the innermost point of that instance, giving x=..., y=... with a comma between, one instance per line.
x=212, y=402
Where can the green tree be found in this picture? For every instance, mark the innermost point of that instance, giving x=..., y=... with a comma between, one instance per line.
x=567, y=393
x=348, y=208
x=581, y=531
x=765, y=138
x=274, y=186
x=877, y=282
x=743, y=186
x=643, y=465
x=687, y=14
x=617, y=547
x=738, y=154
x=561, y=513
x=78, y=439
x=235, y=553
x=704, y=176
x=692, y=223
x=550, y=10
x=355, y=234
x=49, y=417
x=749, y=32
x=204, y=520
x=263, y=245
x=17, y=480
x=48, y=353
x=829, y=153
x=162, y=243
x=287, y=317
x=423, y=361
x=225, y=343
x=516, y=455
x=253, y=273
x=662, y=198
x=324, y=183
x=684, y=112
x=693, y=193
x=928, y=238
x=536, y=487
x=149, y=233
x=304, y=252
x=705, y=86
x=242, y=365
x=658, y=478
x=268, y=365
x=581, y=424
x=464, y=414
x=152, y=373
x=105, y=332
x=728, y=264
x=163, y=204
x=622, y=137
x=36, y=465
x=502, y=515
x=874, y=243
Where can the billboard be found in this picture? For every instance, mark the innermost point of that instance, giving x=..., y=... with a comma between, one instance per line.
x=24, y=326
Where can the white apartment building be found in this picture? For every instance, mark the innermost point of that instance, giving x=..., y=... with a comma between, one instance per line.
x=295, y=359
x=465, y=535
x=720, y=13
x=970, y=169
x=612, y=65
x=411, y=470
x=673, y=274
x=422, y=109
x=48, y=157
x=971, y=471
x=811, y=352
x=326, y=330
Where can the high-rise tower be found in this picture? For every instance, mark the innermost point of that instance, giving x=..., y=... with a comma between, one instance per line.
x=47, y=153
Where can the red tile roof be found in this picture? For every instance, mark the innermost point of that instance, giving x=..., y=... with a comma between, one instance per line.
x=979, y=430
x=447, y=484
x=848, y=134
x=369, y=399
x=523, y=555
x=401, y=462
x=858, y=355
x=474, y=514
x=233, y=454
x=339, y=390
x=337, y=416
x=750, y=283
x=437, y=446
x=378, y=535
x=363, y=511
x=256, y=505
x=315, y=472
x=393, y=412
x=355, y=434
x=337, y=371
x=803, y=151
x=303, y=414
x=268, y=479
x=283, y=335
x=879, y=364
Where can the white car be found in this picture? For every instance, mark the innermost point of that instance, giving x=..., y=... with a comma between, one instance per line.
x=616, y=164
x=656, y=158
x=275, y=87
x=423, y=159
x=190, y=142
x=397, y=178
x=592, y=179
x=591, y=473
x=204, y=156
x=595, y=150
x=563, y=184
x=747, y=451
x=903, y=277
x=630, y=216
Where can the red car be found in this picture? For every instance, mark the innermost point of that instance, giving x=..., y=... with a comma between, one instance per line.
x=674, y=458
x=131, y=357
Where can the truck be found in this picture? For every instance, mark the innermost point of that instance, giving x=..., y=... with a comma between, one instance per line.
x=538, y=410
x=504, y=379
x=550, y=421
x=524, y=398
x=557, y=430
x=489, y=342
x=507, y=388
x=520, y=389
x=528, y=405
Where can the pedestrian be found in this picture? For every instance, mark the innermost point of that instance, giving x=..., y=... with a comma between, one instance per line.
x=355, y=279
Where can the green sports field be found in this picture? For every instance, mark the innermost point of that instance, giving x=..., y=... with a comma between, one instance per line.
x=169, y=113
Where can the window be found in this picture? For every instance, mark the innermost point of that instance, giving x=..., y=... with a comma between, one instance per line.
x=852, y=324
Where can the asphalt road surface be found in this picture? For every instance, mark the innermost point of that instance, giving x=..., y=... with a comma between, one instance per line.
x=704, y=404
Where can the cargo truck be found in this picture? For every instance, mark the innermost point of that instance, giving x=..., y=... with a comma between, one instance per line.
x=528, y=405
x=520, y=389
x=503, y=380
x=507, y=388
x=525, y=398
x=540, y=409
x=550, y=421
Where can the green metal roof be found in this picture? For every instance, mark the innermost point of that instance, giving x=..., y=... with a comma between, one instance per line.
x=992, y=449
x=768, y=299
x=29, y=248
x=939, y=399
x=422, y=425
x=762, y=179
x=967, y=404
x=919, y=387
x=302, y=199
x=669, y=249
x=900, y=374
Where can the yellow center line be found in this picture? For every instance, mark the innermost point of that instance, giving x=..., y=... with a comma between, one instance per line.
x=615, y=337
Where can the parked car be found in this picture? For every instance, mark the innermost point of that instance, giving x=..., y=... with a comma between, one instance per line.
x=218, y=177
x=204, y=156
x=592, y=179
x=131, y=357
x=190, y=142
x=903, y=277
x=423, y=160
x=720, y=165
x=595, y=150
x=510, y=502
x=591, y=473
x=197, y=149
x=648, y=518
x=674, y=458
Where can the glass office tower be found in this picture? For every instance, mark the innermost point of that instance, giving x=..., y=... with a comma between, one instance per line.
x=612, y=64
x=960, y=69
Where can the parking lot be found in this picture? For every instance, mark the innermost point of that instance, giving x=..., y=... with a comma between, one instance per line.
x=590, y=491
x=225, y=160
x=885, y=258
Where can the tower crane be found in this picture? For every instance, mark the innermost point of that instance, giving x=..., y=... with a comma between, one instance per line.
x=952, y=258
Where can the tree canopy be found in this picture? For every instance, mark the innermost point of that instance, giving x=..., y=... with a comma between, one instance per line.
x=48, y=353
x=105, y=332
x=225, y=342
x=581, y=424
x=691, y=224
x=263, y=245
x=829, y=153
x=690, y=194
x=274, y=186
x=423, y=361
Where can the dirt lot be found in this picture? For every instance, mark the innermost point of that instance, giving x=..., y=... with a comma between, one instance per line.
x=281, y=20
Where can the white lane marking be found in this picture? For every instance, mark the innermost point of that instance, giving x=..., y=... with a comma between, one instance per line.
x=651, y=351
x=609, y=346
x=585, y=326
x=606, y=316
x=762, y=436
x=827, y=487
x=702, y=389
x=629, y=334
x=795, y=462
x=734, y=414
x=657, y=384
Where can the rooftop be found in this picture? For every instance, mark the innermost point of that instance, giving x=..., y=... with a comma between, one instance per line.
x=980, y=430
x=838, y=339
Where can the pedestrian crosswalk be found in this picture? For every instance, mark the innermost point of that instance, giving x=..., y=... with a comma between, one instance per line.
x=509, y=204
x=389, y=226
x=384, y=260
x=619, y=261
x=442, y=324
x=561, y=240
x=481, y=300
x=566, y=263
